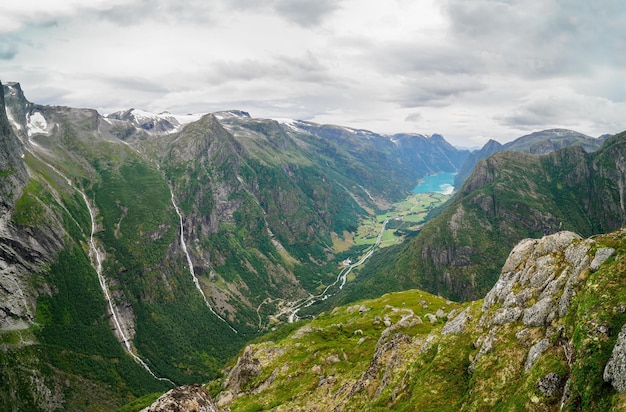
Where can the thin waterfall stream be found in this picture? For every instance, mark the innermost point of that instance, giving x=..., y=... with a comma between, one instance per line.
x=192, y=271
x=96, y=258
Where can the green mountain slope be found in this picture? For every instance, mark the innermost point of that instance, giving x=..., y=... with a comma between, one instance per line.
x=549, y=336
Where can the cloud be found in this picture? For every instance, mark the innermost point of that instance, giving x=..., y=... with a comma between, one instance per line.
x=163, y=12
x=540, y=38
x=436, y=90
x=7, y=51
x=306, y=13
x=402, y=57
x=565, y=108
x=15, y=15
x=413, y=117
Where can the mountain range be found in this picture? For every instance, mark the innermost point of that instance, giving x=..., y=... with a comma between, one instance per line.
x=142, y=251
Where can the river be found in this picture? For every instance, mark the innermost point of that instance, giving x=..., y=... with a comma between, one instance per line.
x=292, y=308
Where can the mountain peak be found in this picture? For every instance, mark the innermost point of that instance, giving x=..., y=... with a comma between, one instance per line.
x=13, y=175
x=151, y=123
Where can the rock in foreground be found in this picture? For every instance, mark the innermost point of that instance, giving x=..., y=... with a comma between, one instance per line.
x=187, y=398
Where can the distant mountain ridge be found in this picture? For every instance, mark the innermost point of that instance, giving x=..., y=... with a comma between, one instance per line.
x=541, y=142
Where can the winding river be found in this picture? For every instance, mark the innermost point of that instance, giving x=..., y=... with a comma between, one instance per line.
x=293, y=307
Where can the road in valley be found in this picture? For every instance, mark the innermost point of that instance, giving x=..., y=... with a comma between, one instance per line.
x=291, y=309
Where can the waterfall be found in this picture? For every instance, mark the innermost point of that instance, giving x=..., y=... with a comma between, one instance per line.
x=183, y=245
x=96, y=260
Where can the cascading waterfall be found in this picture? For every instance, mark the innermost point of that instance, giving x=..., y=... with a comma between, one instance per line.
x=183, y=245
x=96, y=260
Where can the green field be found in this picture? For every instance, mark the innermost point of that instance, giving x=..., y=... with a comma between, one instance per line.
x=407, y=216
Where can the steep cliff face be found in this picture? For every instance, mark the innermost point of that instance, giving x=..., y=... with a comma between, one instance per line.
x=546, y=337
x=24, y=248
x=13, y=174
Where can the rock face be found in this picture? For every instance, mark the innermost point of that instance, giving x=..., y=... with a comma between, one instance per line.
x=615, y=370
x=23, y=250
x=13, y=174
x=187, y=398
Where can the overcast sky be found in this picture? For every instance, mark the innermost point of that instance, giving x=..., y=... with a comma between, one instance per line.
x=467, y=69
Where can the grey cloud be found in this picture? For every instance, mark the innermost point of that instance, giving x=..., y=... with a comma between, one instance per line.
x=414, y=117
x=541, y=111
x=7, y=51
x=135, y=83
x=541, y=37
x=191, y=11
x=306, y=13
x=436, y=91
x=306, y=68
x=568, y=110
x=402, y=57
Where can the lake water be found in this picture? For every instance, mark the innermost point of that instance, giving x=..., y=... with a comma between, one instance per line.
x=439, y=183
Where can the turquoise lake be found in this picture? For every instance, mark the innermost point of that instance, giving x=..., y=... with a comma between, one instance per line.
x=439, y=183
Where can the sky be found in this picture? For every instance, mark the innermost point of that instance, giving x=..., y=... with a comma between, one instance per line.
x=471, y=70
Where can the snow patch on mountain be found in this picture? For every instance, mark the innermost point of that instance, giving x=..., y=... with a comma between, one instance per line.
x=182, y=119
x=290, y=123
x=152, y=123
x=229, y=114
x=36, y=124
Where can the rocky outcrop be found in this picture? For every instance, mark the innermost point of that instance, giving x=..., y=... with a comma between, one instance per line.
x=615, y=370
x=13, y=174
x=538, y=280
x=187, y=398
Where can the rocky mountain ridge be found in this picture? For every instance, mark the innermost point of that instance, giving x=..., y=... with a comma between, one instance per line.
x=542, y=142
